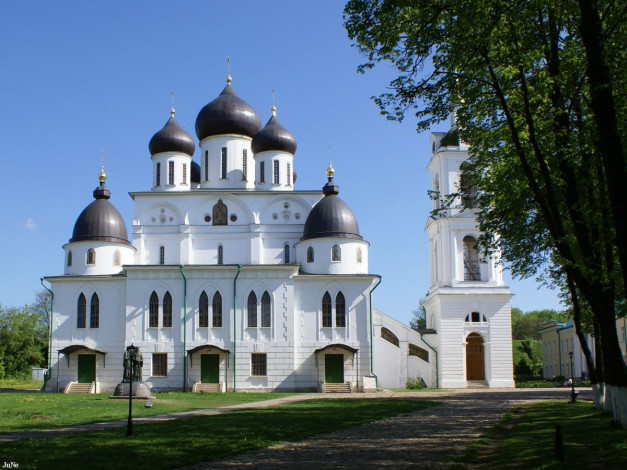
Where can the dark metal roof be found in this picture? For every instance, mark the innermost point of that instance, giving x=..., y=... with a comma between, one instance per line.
x=78, y=347
x=331, y=217
x=195, y=176
x=274, y=137
x=172, y=138
x=337, y=345
x=227, y=114
x=100, y=221
x=207, y=346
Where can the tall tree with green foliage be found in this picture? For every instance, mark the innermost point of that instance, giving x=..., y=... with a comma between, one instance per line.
x=527, y=79
x=23, y=341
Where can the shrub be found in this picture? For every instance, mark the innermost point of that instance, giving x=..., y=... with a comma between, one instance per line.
x=415, y=383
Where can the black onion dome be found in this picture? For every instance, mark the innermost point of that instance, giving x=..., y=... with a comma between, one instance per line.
x=274, y=137
x=227, y=114
x=172, y=138
x=195, y=176
x=331, y=217
x=100, y=221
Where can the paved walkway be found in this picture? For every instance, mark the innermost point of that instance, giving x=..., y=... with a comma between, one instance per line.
x=427, y=438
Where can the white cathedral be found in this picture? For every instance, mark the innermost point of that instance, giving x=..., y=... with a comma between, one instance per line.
x=235, y=280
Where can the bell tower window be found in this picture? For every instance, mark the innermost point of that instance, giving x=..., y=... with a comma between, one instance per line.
x=206, y=165
x=184, y=173
x=276, y=171
x=223, y=166
x=471, y=259
x=262, y=172
x=69, y=258
x=310, y=254
x=468, y=190
x=289, y=174
x=171, y=173
x=245, y=165
x=158, y=175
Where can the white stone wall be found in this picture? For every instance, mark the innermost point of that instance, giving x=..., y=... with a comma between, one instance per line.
x=105, y=257
x=179, y=183
x=235, y=145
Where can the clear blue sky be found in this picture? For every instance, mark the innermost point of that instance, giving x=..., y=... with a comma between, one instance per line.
x=80, y=76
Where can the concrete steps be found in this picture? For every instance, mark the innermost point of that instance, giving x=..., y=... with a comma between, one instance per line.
x=336, y=388
x=75, y=387
x=206, y=388
x=477, y=384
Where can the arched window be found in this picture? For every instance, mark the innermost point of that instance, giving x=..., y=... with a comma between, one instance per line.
x=252, y=310
x=81, y=313
x=389, y=336
x=468, y=190
x=335, y=253
x=436, y=192
x=94, y=312
x=91, y=256
x=153, y=316
x=266, y=310
x=220, y=254
x=340, y=310
x=203, y=310
x=162, y=254
x=116, y=258
x=286, y=254
x=471, y=260
x=327, y=319
x=310, y=254
x=475, y=317
x=359, y=255
x=217, y=310
x=167, y=310
x=69, y=258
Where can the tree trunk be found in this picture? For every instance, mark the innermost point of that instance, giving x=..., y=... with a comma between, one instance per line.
x=579, y=330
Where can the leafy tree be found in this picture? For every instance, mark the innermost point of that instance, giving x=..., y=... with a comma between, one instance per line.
x=540, y=98
x=23, y=341
x=418, y=320
x=527, y=325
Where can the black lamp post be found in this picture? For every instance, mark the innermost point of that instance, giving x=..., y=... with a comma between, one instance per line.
x=573, y=394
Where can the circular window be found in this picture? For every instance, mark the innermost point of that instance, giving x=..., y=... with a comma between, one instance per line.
x=207, y=218
x=297, y=215
x=275, y=216
x=286, y=205
x=162, y=220
x=233, y=218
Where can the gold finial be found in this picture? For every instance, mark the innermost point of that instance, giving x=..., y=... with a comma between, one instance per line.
x=102, y=176
x=273, y=109
x=330, y=170
x=228, y=71
x=172, y=107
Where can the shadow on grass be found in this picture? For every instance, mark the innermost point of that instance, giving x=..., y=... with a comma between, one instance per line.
x=188, y=441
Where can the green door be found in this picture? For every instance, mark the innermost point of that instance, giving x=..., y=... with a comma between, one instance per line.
x=209, y=368
x=334, y=368
x=86, y=368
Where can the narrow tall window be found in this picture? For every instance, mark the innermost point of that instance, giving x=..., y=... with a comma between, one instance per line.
x=262, y=172
x=223, y=169
x=171, y=173
x=158, y=176
x=153, y=315
x=258, y=364
x=206, y=165
x=184, y=173
x=468, y=190
x=217, y=310
x=91, y=256
x=276, y=171
x=310, y=254
x=471, y=259
x=159, y=364
x=359, y=255
x=252, y=310
x=81, y=312
x=289, y=174
x=69, y=258
x=116, y=258
x=94, y=312
x=245, y=165
x=327, y=319
x=220, y=254
x=266, y=310
x=162, y=255
x=340, y=310
x=167, y=310
x=336, y=254
x=203, y=310
x=286, y=254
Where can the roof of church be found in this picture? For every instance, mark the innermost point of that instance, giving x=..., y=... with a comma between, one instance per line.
x=274, y=137
x=100, y=221
x=331, y=217
x=172, y=138
x=195, y=176
x=227, y=114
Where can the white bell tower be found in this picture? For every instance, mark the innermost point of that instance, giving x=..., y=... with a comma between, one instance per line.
x=468, y=304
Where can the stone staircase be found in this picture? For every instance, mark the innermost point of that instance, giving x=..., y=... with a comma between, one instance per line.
x=206, y=388
x=336, y=388
x=476, y=384
x=75, y=387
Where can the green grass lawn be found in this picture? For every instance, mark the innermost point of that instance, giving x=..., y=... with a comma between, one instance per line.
x=418, y=390
x=31, y=411
x=188, y=441
x=21, y=384
x=591, y=440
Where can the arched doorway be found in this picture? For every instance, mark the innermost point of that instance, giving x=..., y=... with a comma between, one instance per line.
x=475, y=369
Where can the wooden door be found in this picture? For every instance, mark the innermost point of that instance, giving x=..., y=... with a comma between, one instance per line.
x=334, y=368
x=210, y=368
x=86, y=368
x=475, y=368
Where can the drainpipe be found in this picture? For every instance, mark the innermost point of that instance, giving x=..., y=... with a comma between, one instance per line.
x=559, y=348
x=239, y=268
x=437, y=374
x=184, y=329
x=49, y=375
x=371, y=352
